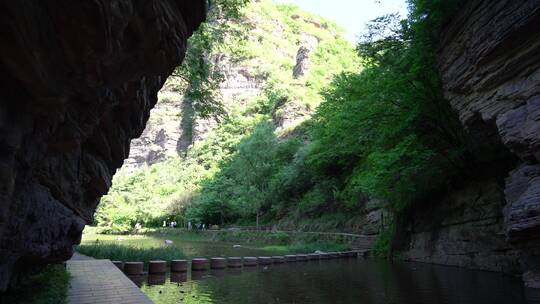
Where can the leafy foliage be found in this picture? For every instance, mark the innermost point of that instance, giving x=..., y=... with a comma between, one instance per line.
x=227, y=176
x=381, y=133
x=383, y=245
x=244, y=186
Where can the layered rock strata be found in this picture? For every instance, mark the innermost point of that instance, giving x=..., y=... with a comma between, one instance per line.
x=78, y=79
x=174, y=125
x=464, y=228
x=490, y=66
x=239, y=85
x=162, y=137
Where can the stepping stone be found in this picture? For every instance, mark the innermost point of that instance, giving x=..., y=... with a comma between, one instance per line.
x=179, y=265
x=234, y=262
x=178, y=277
x=277, y=259
x=133, y=268
x=218, y=263
x=290, y=258
x=265, y=260
x=199, y=264
x=250, y=261
x=155, y=267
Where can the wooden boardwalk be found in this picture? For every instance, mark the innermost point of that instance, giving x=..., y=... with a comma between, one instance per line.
x=100, y=282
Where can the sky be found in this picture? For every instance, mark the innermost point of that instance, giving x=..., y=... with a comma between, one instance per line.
x=352, y=15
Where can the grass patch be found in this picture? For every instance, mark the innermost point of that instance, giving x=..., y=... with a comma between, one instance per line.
x=49, y=286
x=308, y=247
x=312, y=247
x=271, y=238
x=130, y=252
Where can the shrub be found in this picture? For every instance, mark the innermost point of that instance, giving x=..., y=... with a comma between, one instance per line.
x=280, y=238
x=382, y=247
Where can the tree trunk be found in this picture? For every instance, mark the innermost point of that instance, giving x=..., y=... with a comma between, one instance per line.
x=257, y=221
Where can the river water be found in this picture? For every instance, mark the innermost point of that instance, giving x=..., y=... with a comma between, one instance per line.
x=339, y=281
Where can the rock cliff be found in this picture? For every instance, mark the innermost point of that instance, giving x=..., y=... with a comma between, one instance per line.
x=164, y=132
x=174, y=125
x=464, y=228
x=239, y=85
x=78, y=79
x=490, y=65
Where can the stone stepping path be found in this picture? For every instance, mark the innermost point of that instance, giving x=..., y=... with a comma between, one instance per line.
x=100, y=282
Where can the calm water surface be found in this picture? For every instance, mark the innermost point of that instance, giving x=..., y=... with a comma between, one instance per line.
x=339, y=281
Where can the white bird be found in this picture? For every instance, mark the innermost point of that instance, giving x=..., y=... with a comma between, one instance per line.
x=168, y=242
x=237, y=246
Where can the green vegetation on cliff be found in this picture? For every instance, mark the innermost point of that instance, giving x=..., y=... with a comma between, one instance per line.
x=380, y=136
x=223, y=178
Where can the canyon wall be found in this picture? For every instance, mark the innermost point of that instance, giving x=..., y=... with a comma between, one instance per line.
x=490, y=66
x=463, y=228
x=78, y=79
x=174, y=125
x=164, y=132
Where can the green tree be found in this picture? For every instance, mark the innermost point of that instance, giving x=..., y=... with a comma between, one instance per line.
x=252, y=167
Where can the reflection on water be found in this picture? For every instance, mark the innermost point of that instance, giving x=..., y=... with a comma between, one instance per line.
x=156, y=279
x=178, y=277
x=340, y=281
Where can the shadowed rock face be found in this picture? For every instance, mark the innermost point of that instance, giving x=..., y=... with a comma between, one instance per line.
x=490, y=65
x=464, y=228
x=77, y=81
